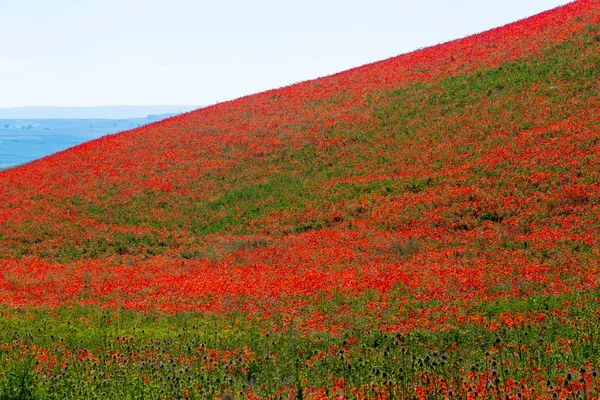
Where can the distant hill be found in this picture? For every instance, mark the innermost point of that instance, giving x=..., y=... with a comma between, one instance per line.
x=103, y=112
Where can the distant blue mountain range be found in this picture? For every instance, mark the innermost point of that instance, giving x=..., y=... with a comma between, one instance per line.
x=104, y=112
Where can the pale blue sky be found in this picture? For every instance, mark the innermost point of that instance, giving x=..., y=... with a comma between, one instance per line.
x=145, y=52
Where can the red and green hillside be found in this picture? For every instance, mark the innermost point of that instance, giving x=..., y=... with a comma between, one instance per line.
x=443, y=201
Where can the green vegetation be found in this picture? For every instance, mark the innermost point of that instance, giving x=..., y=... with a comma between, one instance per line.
x=83, y=352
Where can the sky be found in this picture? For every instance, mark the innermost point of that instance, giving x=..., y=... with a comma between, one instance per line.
x=196, y=52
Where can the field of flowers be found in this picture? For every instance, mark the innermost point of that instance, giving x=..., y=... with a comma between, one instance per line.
x=427, y=226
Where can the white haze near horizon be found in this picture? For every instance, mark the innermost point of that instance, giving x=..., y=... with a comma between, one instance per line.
x=150, y=52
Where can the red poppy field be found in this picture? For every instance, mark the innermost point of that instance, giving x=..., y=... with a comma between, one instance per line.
x=424, y=227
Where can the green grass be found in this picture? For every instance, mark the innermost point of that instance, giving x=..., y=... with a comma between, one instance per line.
x=170, y=351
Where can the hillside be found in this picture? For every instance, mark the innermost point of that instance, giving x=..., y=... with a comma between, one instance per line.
x=453, y=190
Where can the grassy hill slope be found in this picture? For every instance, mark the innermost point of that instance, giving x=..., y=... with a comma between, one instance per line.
x=454, y=189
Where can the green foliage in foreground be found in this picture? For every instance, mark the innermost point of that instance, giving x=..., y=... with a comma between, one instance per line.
x=90, y=353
